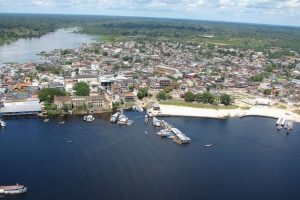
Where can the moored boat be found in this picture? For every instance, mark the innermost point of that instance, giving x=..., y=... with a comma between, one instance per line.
x=2, y=123
x=13, y=189
x=89, y=118
x=156, y=122
x=114, y=117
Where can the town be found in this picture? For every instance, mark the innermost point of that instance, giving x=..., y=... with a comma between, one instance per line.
x=105, y=76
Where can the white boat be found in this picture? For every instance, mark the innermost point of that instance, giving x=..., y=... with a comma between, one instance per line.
x=140, y=109
x=46, y=120
x=114, y=117
x=129, y=122
x=149, y=113
x=62, y=122
x=2, y=123
x=13, y=189
x=122, y=120
x=146, y=132
x=208, y=145
x=89, y=118
x=156, y=122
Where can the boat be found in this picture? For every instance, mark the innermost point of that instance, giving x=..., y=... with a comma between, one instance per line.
x=13, y=189
x=2, y=123
x=149, y=113
x=89, y=118
x=69, y=141
x=62, y=122
x=46, y=120
x=156, y=122
x=146, y=118
x=140, y=109
x=146, y=132
x=208, y=145
x=129, y=122
x=122, y=119
x=114, y=117
x=165, y=133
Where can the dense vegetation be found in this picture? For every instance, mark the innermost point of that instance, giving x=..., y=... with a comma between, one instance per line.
x=48, y=94
x=81, y=89
x=260, y=37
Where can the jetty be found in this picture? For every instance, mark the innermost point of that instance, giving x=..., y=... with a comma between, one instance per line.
x=173, y=133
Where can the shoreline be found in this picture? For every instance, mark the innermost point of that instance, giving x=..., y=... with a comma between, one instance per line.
x=257, y=111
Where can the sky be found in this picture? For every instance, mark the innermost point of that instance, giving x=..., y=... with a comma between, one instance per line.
x=280, y=12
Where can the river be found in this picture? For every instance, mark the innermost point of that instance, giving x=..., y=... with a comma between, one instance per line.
x=26, y=50
x=250, y=159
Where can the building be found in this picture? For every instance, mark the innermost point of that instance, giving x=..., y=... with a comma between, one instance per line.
x=20, y=108
x=128, y=96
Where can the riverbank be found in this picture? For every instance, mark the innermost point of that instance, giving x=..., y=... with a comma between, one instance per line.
x=262, y=111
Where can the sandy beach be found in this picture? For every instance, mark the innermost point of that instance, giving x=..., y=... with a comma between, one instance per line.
x=168, y=110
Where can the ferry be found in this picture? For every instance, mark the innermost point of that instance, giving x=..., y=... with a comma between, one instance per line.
x=2, y=123
x=114, y=117
x=156, y=122
x=13, y=189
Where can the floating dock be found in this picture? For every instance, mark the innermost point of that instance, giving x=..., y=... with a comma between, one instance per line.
x=180, y=137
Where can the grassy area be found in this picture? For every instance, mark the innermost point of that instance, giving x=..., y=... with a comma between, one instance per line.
x=197, y=105
x=245, y=108
x=281, y=107
x=297, y=112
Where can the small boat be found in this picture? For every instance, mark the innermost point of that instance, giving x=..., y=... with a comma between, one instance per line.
x=62, y=122
x=149, y=113
x=122, y=120
x=139, y=109
x=89, y=118
x=2, y=123
x=46, y=120
x=114, y=117
x=156, y=122
x=146, y=120
x=208, y=145
x=129, y=122
x=13, y=189
x=146, y=132
x=69, y=141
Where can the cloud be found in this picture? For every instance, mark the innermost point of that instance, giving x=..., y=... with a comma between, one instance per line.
x=258, y=11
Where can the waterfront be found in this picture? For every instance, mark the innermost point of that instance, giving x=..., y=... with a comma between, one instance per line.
x=26, y=50
x=250, y=159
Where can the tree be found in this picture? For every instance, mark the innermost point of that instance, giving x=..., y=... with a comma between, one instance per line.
x=163, y=96
x=82, y=89
x=225, y=99
x=208, y=98
x=189, y=96
x=47, y=94
x=257, y=78
x=143, y=92
x=267, y=91
x=131, y=88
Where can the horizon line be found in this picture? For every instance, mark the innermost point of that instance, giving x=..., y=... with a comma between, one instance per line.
x=148, y=17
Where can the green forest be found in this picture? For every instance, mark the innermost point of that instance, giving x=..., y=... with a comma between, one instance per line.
x=259, y=37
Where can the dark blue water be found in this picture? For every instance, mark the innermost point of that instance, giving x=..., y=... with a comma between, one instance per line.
x=250, y=160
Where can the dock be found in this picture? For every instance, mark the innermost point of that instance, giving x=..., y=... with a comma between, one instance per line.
x=284, y=123
x=180, y=138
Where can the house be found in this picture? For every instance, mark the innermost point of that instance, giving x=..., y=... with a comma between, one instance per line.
x=128, y=96
x=60, y=101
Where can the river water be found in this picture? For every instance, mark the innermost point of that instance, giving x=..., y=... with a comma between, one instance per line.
x=250, y=159
x=26, y=50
